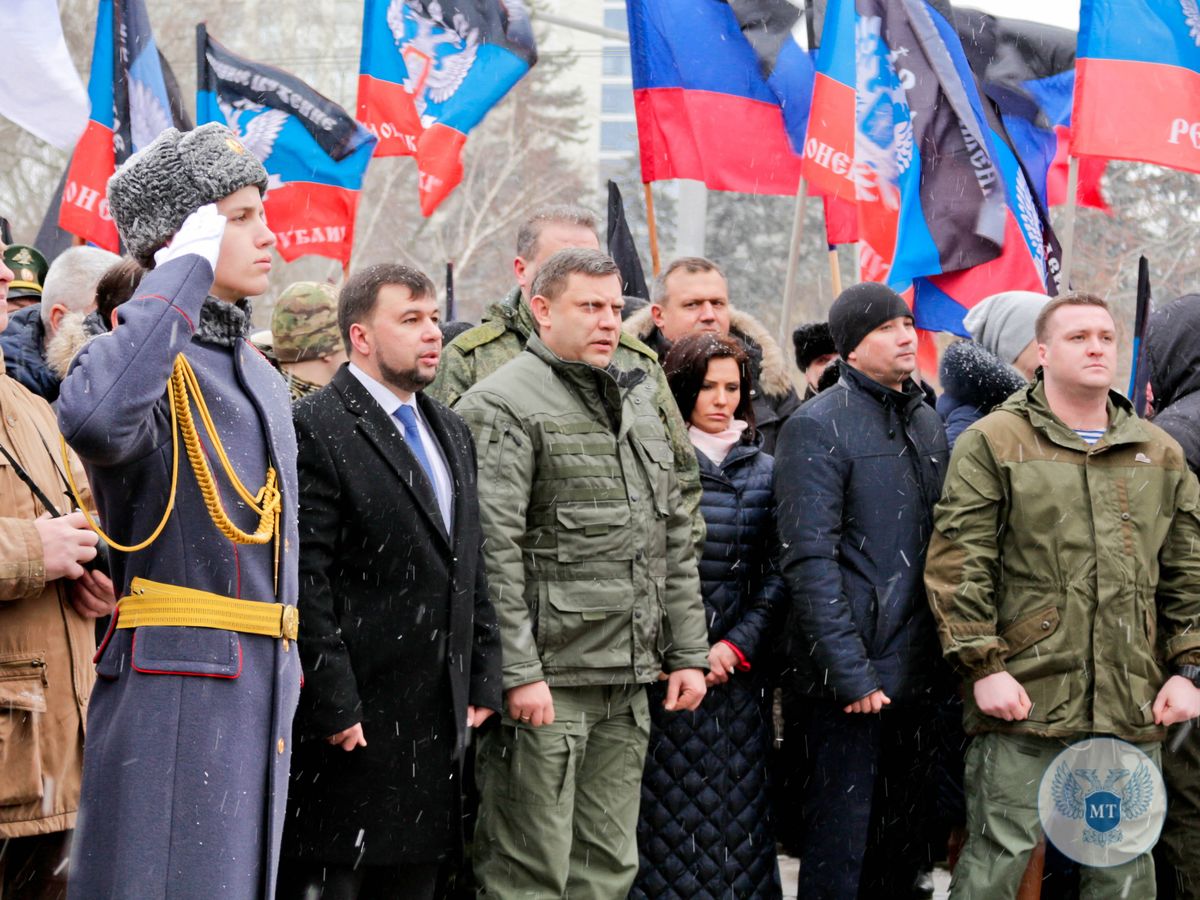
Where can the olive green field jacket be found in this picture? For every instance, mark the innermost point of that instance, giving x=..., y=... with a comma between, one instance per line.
x=506, y=327
x=587, y=544
x=1075, y=568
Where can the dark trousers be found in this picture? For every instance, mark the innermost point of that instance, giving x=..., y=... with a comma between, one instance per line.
x=1177, y=856
x=34, y=867
x=314, y=881
x=866, y=801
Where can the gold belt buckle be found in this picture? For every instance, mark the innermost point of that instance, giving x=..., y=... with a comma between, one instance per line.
x=290, y=624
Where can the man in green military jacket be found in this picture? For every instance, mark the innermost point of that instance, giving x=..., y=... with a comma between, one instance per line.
x=1064, y=575
x=592, y=573
x=507, y=325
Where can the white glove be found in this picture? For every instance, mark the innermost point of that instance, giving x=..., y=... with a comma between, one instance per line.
x=200, y=234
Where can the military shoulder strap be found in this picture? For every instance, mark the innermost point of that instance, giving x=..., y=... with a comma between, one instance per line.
x=628, y=340
x=478, y=336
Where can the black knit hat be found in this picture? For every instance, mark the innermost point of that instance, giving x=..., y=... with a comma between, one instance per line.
x=812, y=340
x=861, y=309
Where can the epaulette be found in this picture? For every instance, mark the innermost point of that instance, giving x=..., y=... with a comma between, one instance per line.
x=628, y=340
x=478, y=336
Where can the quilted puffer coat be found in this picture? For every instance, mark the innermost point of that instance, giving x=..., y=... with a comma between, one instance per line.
x=704, y=829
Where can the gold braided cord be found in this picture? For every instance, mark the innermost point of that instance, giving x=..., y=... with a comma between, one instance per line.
x=267, y=503
x=95, y=526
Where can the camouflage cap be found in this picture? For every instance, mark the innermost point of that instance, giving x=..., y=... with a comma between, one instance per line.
x=29, y=269
x=305, y=324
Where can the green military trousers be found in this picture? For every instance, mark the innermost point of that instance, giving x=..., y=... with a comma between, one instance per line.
x=1003, y=773
x=559, y=804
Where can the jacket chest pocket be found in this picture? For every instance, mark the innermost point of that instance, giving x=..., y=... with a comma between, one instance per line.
x=657, y=461
x=595, y=531
x=22, y=706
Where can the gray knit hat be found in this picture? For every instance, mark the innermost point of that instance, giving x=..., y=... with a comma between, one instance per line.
x=162, y=184
x=1003, y=323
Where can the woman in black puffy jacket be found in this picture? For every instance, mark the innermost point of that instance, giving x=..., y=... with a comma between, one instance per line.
x=705, y=829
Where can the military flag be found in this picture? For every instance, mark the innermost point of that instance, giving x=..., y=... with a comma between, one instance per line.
x=429, y=72
x=898, y=127
x=314, y=152
x=130, y=103
x=1137, y=89
x=623, y=249
x=1028, y=70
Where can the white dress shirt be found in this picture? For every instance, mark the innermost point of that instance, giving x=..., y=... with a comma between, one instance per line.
x=443, y=486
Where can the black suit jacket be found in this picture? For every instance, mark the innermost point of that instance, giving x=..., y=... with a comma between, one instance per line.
x=396, y=631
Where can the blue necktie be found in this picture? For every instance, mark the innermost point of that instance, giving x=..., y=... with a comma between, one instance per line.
x=412, y=437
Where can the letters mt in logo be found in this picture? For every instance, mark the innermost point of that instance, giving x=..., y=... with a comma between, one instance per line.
x=1102, y=802
x=1101, y=808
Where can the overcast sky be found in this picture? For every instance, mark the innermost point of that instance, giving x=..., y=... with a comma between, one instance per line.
x=1052, y=12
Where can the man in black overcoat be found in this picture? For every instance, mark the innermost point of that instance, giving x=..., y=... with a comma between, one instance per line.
x=399, y=643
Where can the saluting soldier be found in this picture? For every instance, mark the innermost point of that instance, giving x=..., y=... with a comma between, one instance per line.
x=189, y=727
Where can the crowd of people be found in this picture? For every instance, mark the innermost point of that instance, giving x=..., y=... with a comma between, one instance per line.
x=584, y=601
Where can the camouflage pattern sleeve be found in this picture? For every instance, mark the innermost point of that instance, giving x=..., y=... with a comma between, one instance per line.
x=455, y=375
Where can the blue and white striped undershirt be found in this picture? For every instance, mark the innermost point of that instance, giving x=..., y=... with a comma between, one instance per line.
x=1089, y=436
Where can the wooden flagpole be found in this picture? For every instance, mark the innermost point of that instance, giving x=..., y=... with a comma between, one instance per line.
x=1068, y=254
x=789, y=287
x=654, y=260
x=835, y=271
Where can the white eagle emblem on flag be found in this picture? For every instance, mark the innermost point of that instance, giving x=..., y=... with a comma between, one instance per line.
x=1191, y=15
x=257, y=134
x=148, y=118
x=433, y=77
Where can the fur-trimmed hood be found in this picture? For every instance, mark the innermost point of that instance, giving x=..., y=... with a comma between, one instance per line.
x=773, y=377
x=74, y=332
x=972, y=374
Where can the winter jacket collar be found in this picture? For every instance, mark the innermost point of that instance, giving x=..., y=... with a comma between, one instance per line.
x=903, y=402
x=604, y=385
x=74, y=332
x=24, y=344
x=747, y=450
x=1124, y=427
x=767, y=359
x=514, y=313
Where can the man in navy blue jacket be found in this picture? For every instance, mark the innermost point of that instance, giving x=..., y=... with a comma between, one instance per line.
x=858, y=471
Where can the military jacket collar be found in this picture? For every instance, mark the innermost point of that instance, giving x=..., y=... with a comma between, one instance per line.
x=1124, y=427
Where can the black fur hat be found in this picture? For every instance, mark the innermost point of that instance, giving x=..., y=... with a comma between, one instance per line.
x=812, y=339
